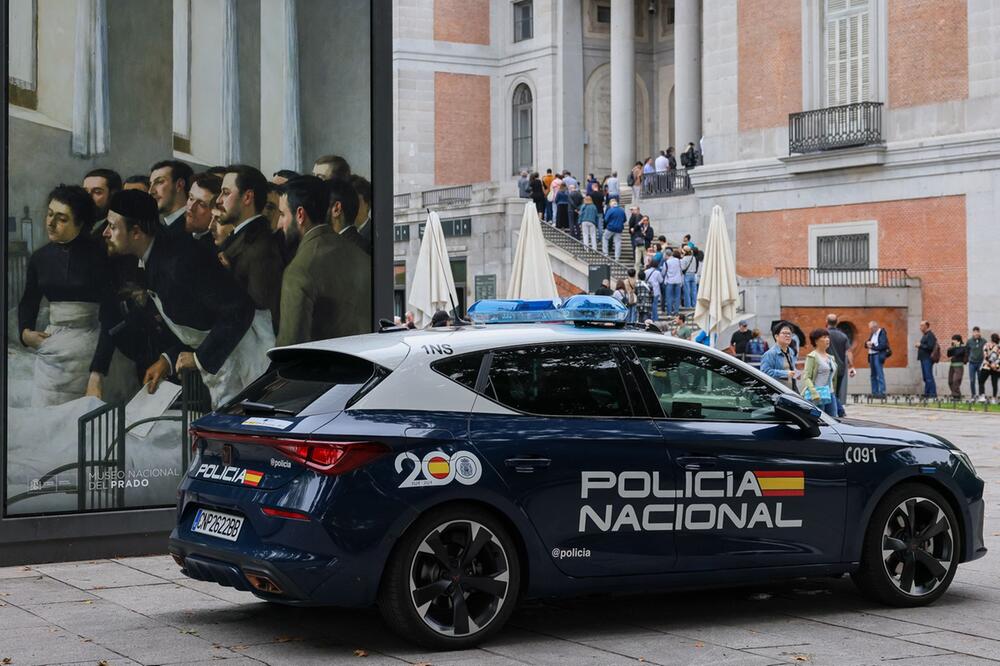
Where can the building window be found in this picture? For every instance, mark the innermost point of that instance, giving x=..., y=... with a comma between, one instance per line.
x=22, y=63
x=843, y=252
x=523, y=27
x=182, y=76
x=521, y=111
x=399, y=286
x=460, y=273
x=400, y=233
x=452, y=228
x=847, y=47
x=604, y=13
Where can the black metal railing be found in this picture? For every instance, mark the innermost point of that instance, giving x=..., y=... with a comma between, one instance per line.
x=844, y=126
x=448, y=195
x=666, y=183
x=401, y=200
x=789, y=276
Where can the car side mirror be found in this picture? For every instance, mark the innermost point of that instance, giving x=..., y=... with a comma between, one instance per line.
x=799, y=411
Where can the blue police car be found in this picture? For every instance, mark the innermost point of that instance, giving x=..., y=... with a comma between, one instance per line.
x=447, y=474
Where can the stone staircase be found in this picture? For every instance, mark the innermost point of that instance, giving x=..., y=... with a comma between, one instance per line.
x=565, y=242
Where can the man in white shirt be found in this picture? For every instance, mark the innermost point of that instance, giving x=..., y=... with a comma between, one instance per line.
x=169, y=183
x=662, y=163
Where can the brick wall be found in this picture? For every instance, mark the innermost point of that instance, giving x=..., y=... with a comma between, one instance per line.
x=770, y=62
x=928, y=51
x=893, y=320
x=465, y=21
x=461, y=128
x=925, y=236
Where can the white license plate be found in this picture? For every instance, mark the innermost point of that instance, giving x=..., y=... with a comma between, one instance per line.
x=219, y=525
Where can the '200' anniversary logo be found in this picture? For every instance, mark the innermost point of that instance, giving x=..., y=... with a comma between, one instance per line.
x=438, y=468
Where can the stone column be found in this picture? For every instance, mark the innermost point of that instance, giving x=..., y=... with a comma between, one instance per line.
x=687, y=73
x=622, y=87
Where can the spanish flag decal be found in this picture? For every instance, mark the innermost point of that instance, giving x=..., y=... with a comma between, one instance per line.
x=438, y=467
x=252, y=478
x=781, y=484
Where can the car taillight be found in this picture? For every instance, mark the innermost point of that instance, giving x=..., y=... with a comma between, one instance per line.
x=275, y=512
x=326, y=457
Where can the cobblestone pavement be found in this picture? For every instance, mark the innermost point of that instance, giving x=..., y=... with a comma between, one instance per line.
x=141, y=610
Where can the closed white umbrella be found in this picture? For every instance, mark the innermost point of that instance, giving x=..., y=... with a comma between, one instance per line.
x=717, y=292
x=531, y=276
x=433, y=286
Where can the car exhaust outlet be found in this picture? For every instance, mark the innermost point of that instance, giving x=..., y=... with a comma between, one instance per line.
x=178, y=559
x=262, y=583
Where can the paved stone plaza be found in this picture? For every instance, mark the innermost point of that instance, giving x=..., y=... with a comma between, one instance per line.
x=141, y=610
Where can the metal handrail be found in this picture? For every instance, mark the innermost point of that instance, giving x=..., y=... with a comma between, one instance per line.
x=801, y=276
x=401, y=200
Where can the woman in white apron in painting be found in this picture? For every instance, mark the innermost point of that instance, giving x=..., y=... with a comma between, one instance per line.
x=74, y=353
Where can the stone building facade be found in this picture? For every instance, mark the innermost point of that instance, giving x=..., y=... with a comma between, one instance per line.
x=857, y=138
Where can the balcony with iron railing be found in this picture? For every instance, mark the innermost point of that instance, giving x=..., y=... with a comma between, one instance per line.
x=800, y=276
x=846, y=126
x=675, y=182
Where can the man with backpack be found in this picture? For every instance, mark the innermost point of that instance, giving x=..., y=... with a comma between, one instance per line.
x=928, y=353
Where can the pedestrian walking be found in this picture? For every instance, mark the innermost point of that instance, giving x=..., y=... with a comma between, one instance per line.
x=779, y=361
x=928, y=353
x=957, y=358
x=991, y=366
x=819, y=380
x=654, y=278
x=975, y=346
x=689, y=268
x=588, y=223
x=840, y=347
x=614, y=224
x=674, y=280
x=643, y=300
x=739, y=339
x=878, y=351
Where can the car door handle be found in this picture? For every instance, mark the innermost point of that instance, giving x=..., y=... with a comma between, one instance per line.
x=527, y=465
x=696, y=462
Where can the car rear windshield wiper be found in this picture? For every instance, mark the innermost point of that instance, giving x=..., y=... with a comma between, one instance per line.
x=249, y=405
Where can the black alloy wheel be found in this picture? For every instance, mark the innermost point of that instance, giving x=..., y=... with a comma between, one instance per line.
x=911, y=548
x=452, y=581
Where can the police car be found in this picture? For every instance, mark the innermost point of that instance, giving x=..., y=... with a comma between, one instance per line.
x=447, y=474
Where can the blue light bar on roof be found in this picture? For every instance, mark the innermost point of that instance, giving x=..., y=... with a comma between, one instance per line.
x=576, y=309
x=494, y=311
x=594, y=308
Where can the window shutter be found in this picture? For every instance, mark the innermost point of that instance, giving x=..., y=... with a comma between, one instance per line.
x=848, y=37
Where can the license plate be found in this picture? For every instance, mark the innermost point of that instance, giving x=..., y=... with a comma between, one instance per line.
x=215, y=524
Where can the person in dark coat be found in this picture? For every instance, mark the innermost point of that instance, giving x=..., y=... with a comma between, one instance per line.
x=925, y=354
x=71, y=272
x=343, y=212
x=208, y=312
x=840, y=347
x=325, y=291
x=252, y=253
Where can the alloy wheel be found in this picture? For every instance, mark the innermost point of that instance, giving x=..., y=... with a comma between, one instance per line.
x=918, y=547
x=459, y=578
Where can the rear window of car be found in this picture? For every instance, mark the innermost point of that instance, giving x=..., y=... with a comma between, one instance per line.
x=462, y=369
x=304, y=382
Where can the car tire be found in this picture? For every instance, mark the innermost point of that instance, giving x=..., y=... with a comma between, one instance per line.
x=911, y=548
x=453, y=579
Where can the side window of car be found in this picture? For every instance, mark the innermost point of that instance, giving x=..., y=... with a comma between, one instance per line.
x=462, y=369
x=559, y=380
x=693, y=385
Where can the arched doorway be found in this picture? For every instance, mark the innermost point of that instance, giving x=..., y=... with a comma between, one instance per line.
x=597, y=121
